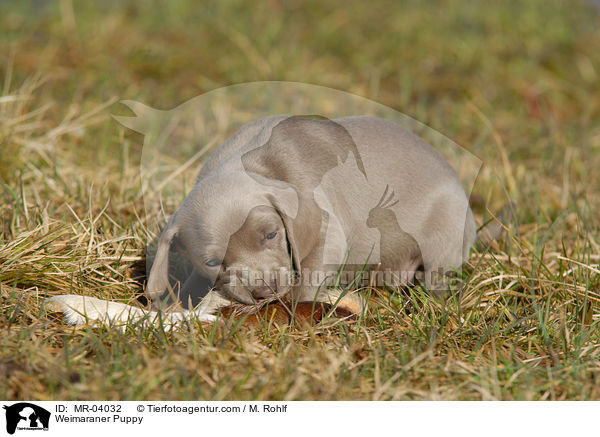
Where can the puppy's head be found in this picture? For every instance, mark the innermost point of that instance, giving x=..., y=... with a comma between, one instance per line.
x=237, y=231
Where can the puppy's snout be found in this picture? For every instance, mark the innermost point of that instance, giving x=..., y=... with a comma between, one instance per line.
x=264, y=291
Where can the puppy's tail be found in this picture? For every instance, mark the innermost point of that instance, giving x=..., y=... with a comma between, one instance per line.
x=493, y=229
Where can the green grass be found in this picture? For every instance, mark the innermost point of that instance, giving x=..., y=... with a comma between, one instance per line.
x=516, y=83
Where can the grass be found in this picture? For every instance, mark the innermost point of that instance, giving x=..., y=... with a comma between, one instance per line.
x=516, y=83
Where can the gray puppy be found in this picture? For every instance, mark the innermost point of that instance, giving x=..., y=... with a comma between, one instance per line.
x=289, y=206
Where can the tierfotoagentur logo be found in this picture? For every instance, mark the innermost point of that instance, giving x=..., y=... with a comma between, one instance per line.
x=26, y=417
x=365, y=212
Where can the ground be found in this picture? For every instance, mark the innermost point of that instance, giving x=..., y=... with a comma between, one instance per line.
x=515, y=83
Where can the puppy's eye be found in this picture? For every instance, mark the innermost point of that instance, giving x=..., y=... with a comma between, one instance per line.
x=213, y=263
x=271, y=235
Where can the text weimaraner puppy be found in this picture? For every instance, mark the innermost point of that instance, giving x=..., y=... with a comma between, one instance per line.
x=289, y=206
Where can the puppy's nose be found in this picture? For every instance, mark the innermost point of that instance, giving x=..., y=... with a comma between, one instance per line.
x=264, y=291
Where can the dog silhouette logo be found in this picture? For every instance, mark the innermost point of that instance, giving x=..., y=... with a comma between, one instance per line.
x=26, y=416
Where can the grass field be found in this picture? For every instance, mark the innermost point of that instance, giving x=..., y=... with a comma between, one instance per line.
x=515, y=83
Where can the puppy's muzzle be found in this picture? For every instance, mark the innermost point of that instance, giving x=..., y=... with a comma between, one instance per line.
x=265, y=291
x=247, y=286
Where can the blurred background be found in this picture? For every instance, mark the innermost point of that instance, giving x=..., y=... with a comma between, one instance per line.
x=531, y=69
x=515, y=83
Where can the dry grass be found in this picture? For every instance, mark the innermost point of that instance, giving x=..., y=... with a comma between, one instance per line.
x=515, y=83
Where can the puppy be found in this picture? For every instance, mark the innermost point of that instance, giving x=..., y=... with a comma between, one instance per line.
x=290, y=206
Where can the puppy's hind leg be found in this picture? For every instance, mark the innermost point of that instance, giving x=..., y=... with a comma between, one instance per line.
x=344, y=302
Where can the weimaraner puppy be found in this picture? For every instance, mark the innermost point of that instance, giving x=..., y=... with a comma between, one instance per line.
x=292, y=207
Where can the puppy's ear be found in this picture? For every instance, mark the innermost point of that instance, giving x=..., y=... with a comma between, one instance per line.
x=302, y=225
x=288, y=223
x=158, y=280
x=284, y=198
